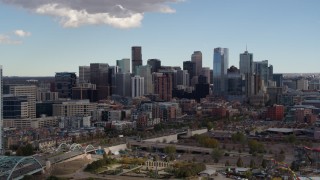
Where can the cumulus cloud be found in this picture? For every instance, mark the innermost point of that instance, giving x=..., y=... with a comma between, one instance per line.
x=116, y=13
x=22, y=33
x=5, y=39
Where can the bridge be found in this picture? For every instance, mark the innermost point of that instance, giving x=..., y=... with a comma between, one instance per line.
x=76, y=147
x=16, y=167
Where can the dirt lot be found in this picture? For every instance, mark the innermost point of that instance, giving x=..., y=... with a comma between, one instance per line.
x=68, y=167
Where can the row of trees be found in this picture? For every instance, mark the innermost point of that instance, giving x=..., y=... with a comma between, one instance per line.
x=206, y=141
x=183, y=170
x=252, y=163
x=100, y=163
x=26, y=150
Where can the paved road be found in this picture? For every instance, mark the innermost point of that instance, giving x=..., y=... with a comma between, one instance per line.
x=178, y=147
x=126, y=171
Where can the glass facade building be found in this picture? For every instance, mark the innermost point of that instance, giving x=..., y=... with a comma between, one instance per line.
x=220, y=71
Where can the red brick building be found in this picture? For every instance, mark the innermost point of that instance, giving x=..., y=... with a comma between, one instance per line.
x=163, y=86
x=276, y=112
x=219, y=112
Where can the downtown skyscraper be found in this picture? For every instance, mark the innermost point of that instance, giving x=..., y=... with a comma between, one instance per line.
x=136, y=57
x=84, y=74
x=247, y=70
x=124, y=65
x=196, y=57
x=99, y=75
x=246, y=63
x=1, y=121
x=220, y=71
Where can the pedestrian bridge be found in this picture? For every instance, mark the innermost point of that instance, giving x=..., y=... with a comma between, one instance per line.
x=16, y=167
x=76, y=147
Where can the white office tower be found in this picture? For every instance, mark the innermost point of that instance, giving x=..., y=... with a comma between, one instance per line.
x=137, y=84
x=1, y=105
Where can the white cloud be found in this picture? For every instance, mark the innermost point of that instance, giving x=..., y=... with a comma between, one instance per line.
x=22, y=33
x=4, y=39
x=116, y=13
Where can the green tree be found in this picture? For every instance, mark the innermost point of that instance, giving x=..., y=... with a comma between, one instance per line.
x=264, y=163
x=210, y=126
x=188, y=169
x=239, y=137
x=291, y=138
x=206, y=141
x=248, y=174
x=25, y=150
x=227, y=163
x=171, y=149
x=252, y=163
x=239, y=162
x=255, y=146
x=217, y=154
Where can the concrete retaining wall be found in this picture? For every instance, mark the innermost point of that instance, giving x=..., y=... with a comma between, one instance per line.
x=200, y=131
x=164, y=139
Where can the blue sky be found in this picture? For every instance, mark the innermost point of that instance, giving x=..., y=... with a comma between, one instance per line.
x=285, y=32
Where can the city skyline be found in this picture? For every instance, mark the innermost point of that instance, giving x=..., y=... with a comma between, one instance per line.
x=281, y=32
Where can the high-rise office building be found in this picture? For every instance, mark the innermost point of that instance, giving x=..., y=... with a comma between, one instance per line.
x=246, y=63
x=206, y=73
x=136, y=57
x=278, y=78
x=30, y=92
x=113, y=70
x=1, y=121
x=145, y=72
x=220, y=70
x=211, y=75
x=261, y=69
x=74, y=108
x=99, y=75
x=190, y=67
x=173, y=73
x=137, y=84
x=85, y=91
x=247, y=70
x=235, y=82
x=183, y=78
x=163, y=86
x=84, y=74
x=123, y=84
x=302, y=84
x=15, y=107
x=155, y=65
x=65, y=81
x=124, y=65
x=196, y=57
